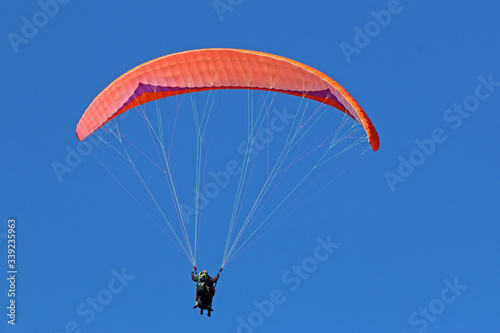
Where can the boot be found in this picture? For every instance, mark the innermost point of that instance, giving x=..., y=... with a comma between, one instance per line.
x=201, y=312
x=209, y=313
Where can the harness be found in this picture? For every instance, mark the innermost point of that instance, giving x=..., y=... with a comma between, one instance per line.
x=202, y=287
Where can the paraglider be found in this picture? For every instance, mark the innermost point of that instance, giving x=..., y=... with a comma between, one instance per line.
x=205, y=290
x=208, y=70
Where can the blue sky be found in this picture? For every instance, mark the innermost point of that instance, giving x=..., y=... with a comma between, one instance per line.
x=413, y=246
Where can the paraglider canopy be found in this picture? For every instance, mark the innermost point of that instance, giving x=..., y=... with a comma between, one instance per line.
x=222, y=68
x=275, y=165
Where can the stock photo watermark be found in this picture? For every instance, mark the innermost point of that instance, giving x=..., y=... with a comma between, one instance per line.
x=292, y=279
x=31, y=25
x=222, y=178
x=75, y=155
x=420, y=319
x=223, y=6
x=364, y=35
x=87, y=310
x=453, y=117
x=11, y=271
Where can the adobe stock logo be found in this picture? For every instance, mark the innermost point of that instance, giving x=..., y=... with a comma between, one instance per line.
x=93, y=305
x=363, y=37
x=223, y=6
x=420, y=319
x=219, y=180
x=75, y=155
x=31, y=26
x=454, y=116
x=292, y=278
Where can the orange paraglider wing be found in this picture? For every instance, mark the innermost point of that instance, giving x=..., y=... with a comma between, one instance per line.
x=207, y=69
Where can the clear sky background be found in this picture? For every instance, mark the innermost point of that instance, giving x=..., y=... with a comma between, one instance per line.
x=418, y=245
